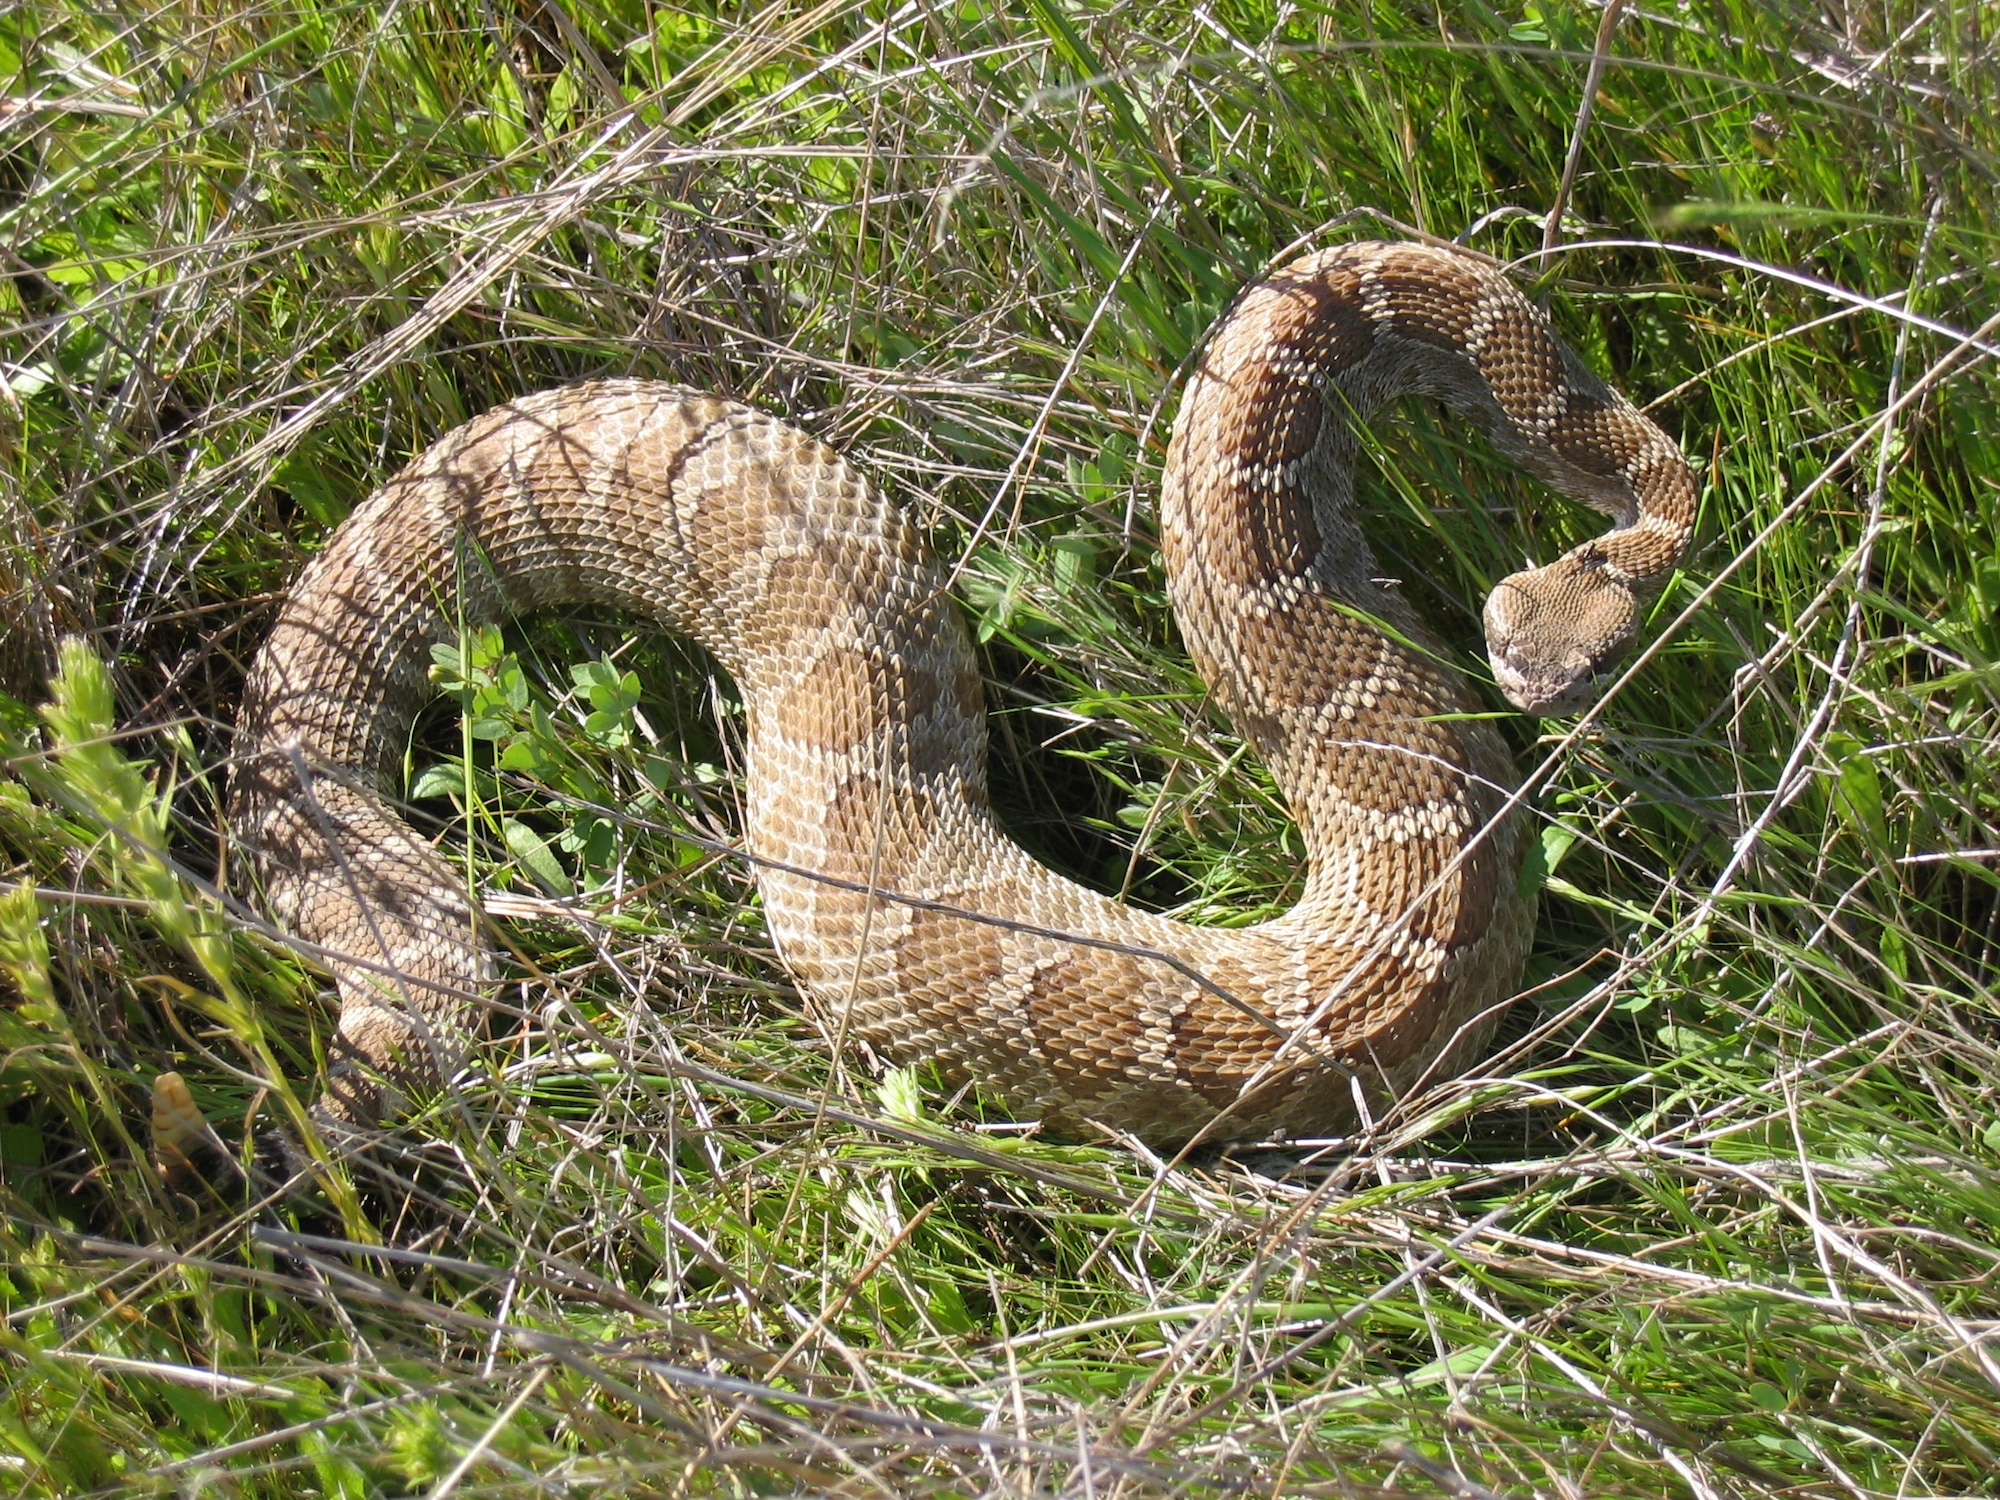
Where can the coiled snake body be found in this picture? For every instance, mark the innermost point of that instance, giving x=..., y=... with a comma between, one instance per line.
x=892, y=895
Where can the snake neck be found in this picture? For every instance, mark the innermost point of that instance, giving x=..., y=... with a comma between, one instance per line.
x=1321, y=665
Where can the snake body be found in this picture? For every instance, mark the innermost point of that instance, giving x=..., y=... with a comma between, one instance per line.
x=894, y=898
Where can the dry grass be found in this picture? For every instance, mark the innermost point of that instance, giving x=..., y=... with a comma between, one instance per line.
x=1723, y=1218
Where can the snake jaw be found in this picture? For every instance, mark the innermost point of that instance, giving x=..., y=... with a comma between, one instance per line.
x=1555, y=634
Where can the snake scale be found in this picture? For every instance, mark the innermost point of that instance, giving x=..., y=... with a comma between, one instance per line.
x=893, y=896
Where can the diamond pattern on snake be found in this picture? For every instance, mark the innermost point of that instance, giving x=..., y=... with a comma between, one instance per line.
x=895, y=899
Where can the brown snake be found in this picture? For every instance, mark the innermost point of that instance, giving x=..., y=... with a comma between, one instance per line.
x=894, y=898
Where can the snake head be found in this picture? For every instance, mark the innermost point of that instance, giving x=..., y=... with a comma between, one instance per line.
x=1555, y=633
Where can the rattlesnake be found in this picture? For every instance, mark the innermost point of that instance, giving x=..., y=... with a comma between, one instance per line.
x=891, y=893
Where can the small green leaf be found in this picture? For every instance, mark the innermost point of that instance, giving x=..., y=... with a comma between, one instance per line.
x=526, y=756
x=445, y=780
x=1790, y=1447
x=1533, y=27
x=1768, y=1396
x=591, y=837
x=26, y=380
x=1986, y=584
x=1895, y=952
x=537, y=858
x=447, y=666
x=1542, y=856
x=1076, y=563
x=513, y=684
x=613, y=697
x=306, y=483
x=993, y=603
x=21, y=1146
x=1857, y=789
x=947, y=1307
x=1684, y=1040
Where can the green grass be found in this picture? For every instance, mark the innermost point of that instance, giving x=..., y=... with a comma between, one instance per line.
x=1721, y=1218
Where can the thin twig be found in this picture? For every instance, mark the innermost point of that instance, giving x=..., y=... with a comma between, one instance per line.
x=1599, y=55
